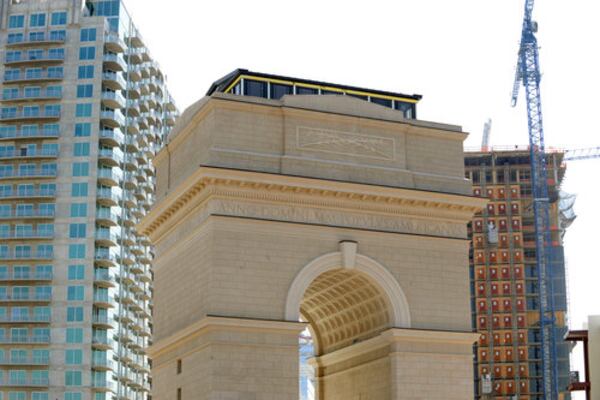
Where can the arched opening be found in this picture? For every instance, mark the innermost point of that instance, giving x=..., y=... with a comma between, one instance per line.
x=348, y=301
x=342, y=307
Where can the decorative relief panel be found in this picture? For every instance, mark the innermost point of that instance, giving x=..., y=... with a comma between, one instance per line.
x=352, y=144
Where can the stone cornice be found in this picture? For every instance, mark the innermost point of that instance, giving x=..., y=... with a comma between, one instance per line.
x=212, y=323
x=251, y=186
x=396, y=335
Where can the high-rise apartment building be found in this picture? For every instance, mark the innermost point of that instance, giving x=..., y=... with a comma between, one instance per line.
x=504, y=284
x=83, y=109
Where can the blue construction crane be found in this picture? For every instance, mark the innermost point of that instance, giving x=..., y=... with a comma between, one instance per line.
x=582, y=154
x=528, y=73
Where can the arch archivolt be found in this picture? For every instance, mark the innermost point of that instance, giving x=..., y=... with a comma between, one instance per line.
x=346, y=297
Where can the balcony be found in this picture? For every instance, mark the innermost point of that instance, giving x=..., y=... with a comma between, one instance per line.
x=114, y=80
x=27, y=153
x=36, y=76
x=129, y=199
x=33, y=116
x=113, y=99
x=104, y=279
x=102, y=343
x=36, y=39
x=103, y=300
x=105, y=258
x=26, y=298
x=32, y=95
x=102, y=321
x=26, y=256
x=112, y=156
x=29, y=234
x=112, y=137
x=109, y=177
x=107, y=217
x=135, y=73
x=115, y=62
x=28, y=173
x=26, y=276
x=37, y=59
x=170, y=118
x=28, y=214
x=134, y=90
x=25, y=339
x=112, y=118
x=28, y=382
x=102, y=364
x=133, y=126
x=106, y=238
x=107, y=197
x=25, y=361
x=114, y=43
x=27, y=194
x=133, y=108
x=25, y=319
x=103, y=385
x=29, y=134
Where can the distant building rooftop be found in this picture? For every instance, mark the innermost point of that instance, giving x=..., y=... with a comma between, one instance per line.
x=248, y=83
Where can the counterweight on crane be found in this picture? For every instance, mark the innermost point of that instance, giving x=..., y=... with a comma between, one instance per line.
x=528, y=73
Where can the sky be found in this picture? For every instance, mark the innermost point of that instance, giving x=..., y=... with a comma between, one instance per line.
x=460, y=55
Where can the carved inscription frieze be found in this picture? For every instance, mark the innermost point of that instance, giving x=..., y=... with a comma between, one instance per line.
x=345, y=143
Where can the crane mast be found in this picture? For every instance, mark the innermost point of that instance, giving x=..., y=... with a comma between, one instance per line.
x=528, y=74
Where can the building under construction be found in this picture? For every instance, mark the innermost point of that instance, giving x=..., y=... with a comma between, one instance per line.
x=504, y=282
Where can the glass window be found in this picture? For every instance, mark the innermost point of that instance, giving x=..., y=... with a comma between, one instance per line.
x=83, y=129
x=37, y=20
x=54, y=72
x=37, y=36
x=16, y=21
x=56, y=54
x=87, y=53
x=14, y=55
x=78, y=210
x=74, y=335
x=17, y=395
x=72, y=378
x=58, y=36
x=81, y=149
x=58, y=18
x=73, y=396
x=39, y=396
x=76, y=272
x=382, y=102
x=79, y=189
x=15, y=37
x=81, y=169
x=52, y=109
x=306, y=90
x=74, y=314
x=73, y=357
x=76, y=251
x=83, y=110
x=279, y=90
x=84, y=91
x=75, y=293
x=12, y=74
x=77, y=231
x=255, y=88
x=406, y=108
x=85, y=72
x=88, y=35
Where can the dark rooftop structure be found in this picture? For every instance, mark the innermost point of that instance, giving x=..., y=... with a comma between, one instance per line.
x=247, y=83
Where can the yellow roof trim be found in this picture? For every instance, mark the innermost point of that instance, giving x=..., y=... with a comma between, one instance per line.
x=312, y=86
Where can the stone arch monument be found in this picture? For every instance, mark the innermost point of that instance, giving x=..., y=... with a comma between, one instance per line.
x=319, y=211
